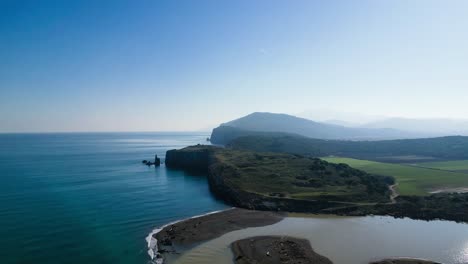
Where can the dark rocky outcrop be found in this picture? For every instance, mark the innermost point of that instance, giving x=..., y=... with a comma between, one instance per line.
x=196, y=158
x=157, y=161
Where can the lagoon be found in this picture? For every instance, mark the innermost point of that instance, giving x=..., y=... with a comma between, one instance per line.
x=352, y=240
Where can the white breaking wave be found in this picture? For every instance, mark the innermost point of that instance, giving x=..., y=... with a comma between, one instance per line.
x=155, y=256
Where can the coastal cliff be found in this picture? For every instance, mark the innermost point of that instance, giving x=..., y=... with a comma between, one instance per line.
x=195, y=158
x=279, y=182
x=220, y=186
x=293, y=183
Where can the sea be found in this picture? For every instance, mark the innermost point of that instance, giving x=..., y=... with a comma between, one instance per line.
x=87, y=197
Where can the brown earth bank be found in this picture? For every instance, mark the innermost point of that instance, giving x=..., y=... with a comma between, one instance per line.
x=192, y=231
x=275, y=250
x=404, y=261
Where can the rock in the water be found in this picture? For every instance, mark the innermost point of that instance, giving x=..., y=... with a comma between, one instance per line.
x=157, y=161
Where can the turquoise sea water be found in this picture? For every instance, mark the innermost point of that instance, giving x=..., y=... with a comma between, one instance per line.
x=86, y=198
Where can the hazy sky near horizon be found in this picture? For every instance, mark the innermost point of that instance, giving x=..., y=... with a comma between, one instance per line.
x=189, y=65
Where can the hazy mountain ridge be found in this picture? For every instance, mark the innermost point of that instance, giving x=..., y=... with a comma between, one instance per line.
x=282, y=123
x=430, y=126
x=442, y=126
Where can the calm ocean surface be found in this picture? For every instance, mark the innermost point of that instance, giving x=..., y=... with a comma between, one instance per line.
x=87, y=198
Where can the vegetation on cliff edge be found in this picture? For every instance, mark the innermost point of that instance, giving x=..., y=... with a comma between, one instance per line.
x=298, y=177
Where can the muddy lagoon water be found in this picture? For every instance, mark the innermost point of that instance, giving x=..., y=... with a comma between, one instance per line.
x=352, y=240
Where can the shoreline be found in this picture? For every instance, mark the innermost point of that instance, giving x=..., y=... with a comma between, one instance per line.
x=186, y=233
x=192, y=232
x=152, y=242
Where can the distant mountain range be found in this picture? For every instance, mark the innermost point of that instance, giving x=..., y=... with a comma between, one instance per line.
x=438, y=126
x=257, y=123
x=431, y=126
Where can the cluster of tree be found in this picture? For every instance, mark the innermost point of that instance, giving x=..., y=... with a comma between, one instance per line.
x=300, y=177
x=324, y=173
x=455, y=147
x=448, y=206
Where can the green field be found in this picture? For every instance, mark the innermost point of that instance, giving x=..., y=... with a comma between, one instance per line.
x=412, y=180
x=457, y=165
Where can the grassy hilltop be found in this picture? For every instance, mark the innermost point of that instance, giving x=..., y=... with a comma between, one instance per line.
x=297, y=177
x=282, y=176
x=420, y=166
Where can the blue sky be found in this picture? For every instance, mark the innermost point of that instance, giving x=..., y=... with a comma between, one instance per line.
x=189, y=65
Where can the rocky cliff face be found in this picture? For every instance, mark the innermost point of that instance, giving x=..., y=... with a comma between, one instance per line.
x=220, y=186
x=204, y=159
x=196, y=158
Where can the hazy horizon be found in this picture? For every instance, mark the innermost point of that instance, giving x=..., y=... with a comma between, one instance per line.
x=178, y=66
x=317, y=115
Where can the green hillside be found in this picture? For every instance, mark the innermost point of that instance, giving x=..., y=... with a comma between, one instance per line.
x=403, y=150
x=456, y=165
x=298, y=177
x=411, y=180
